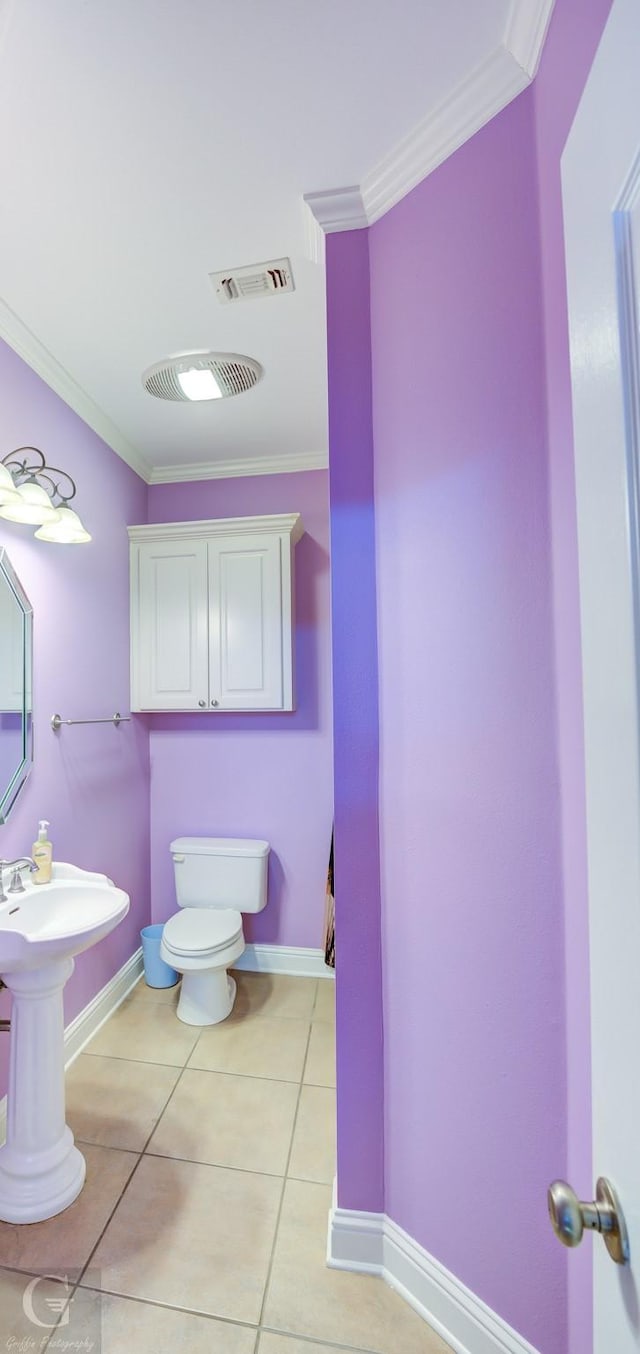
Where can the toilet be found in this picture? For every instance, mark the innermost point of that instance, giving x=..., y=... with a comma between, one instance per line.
x=217, y=879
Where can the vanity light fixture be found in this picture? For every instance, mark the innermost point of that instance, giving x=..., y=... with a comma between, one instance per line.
x=8, y=491
x=66, y=530
x=37, y=494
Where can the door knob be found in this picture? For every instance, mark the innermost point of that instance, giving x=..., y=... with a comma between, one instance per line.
x=202, y=704
x=214, y=702
x=569, y=1217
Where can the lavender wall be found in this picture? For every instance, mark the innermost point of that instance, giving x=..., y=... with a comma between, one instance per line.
x=571, y=45
x=257, y=775
x=472, y=916
x=355, y=698
x=481, y=766
x=92, y=783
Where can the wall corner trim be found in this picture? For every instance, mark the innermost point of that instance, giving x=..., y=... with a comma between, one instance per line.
x=338, y=209
x=87, y=1023
x=370, y=1243
x=485, y=91
x=297, y=961
x=527, y=28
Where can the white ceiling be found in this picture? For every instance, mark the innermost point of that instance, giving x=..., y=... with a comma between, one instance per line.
x=148, y=143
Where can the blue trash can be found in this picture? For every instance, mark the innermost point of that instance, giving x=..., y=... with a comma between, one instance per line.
x=156, y=972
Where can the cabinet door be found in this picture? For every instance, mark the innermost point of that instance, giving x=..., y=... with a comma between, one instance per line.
x=170, y=631
x=245, y=617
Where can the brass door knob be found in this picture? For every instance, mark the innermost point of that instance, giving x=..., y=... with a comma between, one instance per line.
x=569, y=1217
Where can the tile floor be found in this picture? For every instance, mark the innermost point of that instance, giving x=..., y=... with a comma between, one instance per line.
x=203, y=1221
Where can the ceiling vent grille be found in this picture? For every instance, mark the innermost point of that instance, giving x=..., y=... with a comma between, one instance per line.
x=259, y=279
x=232, y=373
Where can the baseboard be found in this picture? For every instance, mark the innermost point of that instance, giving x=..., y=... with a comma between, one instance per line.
x=290, y=959
x=370, y=1243
x=88, y=1022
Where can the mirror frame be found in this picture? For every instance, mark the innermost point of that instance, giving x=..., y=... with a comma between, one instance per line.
x=8, y=798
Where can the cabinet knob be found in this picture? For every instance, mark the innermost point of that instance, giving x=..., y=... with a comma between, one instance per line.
x=215, y=702
x=202, y=704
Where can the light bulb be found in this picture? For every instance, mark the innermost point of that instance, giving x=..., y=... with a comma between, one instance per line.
x=8, y=491
x=199, y=383
x=32, y=507
x=66, y=530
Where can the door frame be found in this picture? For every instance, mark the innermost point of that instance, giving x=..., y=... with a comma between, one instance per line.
x=601, y=191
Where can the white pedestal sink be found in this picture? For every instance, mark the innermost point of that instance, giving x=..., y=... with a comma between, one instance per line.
x=41, y=1171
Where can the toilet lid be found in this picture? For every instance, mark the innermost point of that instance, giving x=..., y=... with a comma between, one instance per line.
x=195, y=929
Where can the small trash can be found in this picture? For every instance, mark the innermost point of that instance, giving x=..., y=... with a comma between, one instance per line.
x=156, y=972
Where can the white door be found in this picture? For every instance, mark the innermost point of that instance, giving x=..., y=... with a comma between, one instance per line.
x=245, y=617
x=601, y=194
x=170, y=626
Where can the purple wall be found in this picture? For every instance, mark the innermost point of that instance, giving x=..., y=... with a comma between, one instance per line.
x=481, y=799
x=92, y=783
x=571, y=44
x=257, y=775
x=355, y=722
x=472, y=916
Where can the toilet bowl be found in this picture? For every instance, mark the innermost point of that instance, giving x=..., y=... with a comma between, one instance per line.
x=217, y=879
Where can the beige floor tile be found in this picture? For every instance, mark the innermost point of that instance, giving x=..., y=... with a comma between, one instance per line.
x=287, y=1344
x=325, y=1007
x=148, y=1033
x=164, y=996
x=145, y=1329
x=192, y=1236
x=117, y=1103
x=306, y=1298
x=320, y=1069
x=66, y=1241
x=254, y=1046
x=20, y=1303
x=274, y=994
x=224, y=1120
x=313, y=1155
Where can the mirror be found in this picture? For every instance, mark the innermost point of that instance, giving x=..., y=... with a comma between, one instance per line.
x=16, y=722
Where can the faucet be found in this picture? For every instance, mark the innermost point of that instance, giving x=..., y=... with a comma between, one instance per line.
x=16, y=885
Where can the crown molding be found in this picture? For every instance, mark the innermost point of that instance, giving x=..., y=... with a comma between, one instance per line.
x=526, y=31
x=315, y=243
x=34, y=353
x=488, y=89
x=477, y=99
x=250, y=465
x=338, y=209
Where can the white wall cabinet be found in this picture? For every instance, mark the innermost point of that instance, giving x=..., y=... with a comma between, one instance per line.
x=212, y=614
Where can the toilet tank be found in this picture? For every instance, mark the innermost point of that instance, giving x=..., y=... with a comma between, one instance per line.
x=225, y=872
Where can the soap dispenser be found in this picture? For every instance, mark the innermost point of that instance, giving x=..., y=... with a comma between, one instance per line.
x=42, y=855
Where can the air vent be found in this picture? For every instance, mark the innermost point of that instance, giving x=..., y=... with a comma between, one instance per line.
x=201, y=376
x=247, y=284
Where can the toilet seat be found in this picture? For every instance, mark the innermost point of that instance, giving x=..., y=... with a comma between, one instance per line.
x=198, y=931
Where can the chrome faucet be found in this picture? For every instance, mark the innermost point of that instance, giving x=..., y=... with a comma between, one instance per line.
x=16, y=885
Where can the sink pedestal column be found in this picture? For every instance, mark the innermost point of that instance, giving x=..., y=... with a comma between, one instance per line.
x=41, y=1171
